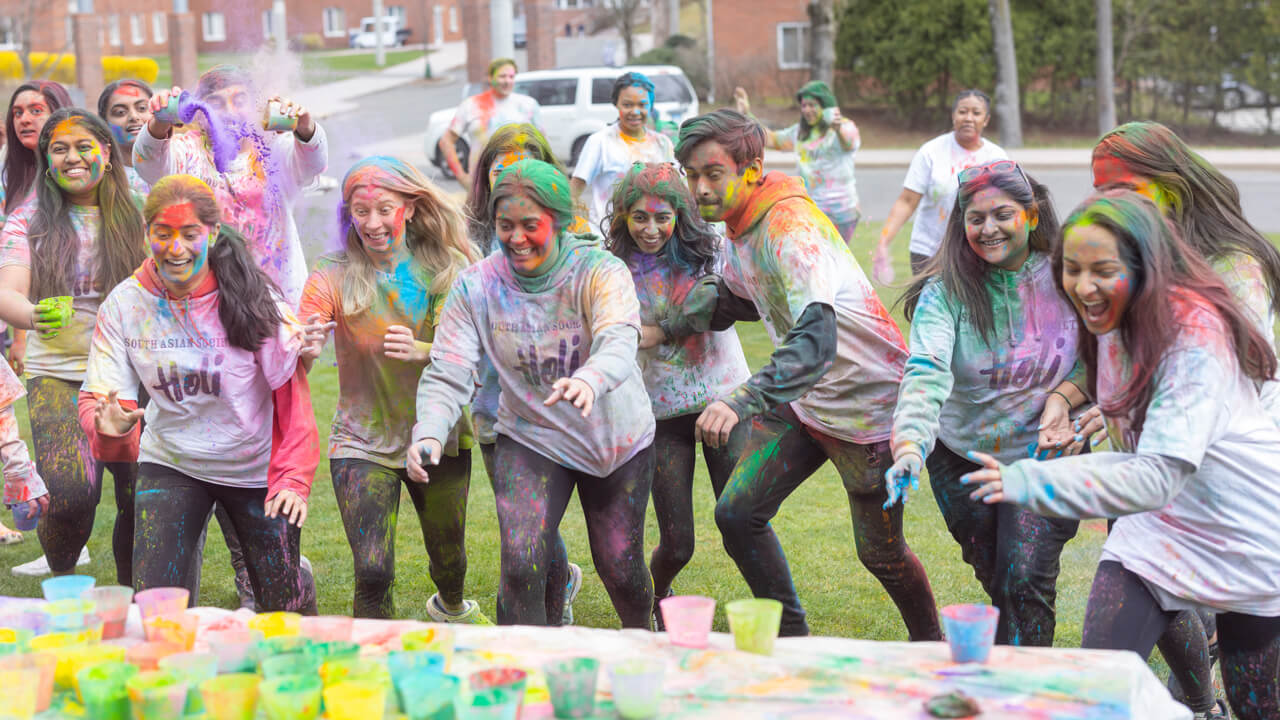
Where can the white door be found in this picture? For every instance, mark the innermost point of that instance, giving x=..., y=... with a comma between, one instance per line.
x=437, y=22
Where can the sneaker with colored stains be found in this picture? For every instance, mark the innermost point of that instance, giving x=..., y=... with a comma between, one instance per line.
x=571, y=590
x=40, y=566
x=470, y=614
x=1219, y=711
x=658, y=624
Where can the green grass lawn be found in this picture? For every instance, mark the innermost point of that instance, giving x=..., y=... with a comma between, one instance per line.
x=317, y=67
x=814, y=525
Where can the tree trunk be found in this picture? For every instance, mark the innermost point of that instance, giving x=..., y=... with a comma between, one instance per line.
x=1105, y=76
x=822, y=41
x=1007, y=103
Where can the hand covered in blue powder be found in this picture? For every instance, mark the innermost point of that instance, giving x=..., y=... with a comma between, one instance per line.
x=904, y=475
x=990, y=488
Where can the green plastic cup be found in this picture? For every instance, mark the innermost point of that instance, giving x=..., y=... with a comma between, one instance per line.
x=230, y=697
x=755, y=624
x=295, y=663
x=156, y=695
x=637, y=687
x=291, y=697
x=194, y=668
x=428, y=695
x=332, y=650
x=572, y=684
x=102, y=690
x=280, y=645
x=494, y=704
x=407, y=666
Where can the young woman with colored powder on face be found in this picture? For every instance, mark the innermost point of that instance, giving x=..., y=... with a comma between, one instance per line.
x=1174, y=363
x=993, y=366
x=258, y=188
x=479, y=116
x=830, y=386
x=126, y=107
x=824, y=142
x=1205, y=205
x=655, y=229
x=609, y=153
x=557, y=316
x=81, y=237
x=929, y=190
x=508, y=145
x=404, y=242
x=204, y=330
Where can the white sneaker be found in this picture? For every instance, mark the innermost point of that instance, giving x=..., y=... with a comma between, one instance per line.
x=40, y=566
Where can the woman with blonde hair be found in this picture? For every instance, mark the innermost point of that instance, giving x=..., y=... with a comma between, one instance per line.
x=404, y=242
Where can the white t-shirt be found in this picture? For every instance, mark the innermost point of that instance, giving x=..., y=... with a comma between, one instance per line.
x=479, y=115
x=933, y=174
x=64, y=355
x=211, y=411
x=607, y=155
x=827, y=170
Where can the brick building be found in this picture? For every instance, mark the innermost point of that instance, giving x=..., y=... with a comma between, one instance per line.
x=762, y=45
x=129, y=27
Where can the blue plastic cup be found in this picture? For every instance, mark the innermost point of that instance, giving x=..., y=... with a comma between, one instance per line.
x=971, y=631
x=24, y=518
x=67, y=587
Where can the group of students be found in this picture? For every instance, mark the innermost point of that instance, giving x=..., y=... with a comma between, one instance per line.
x=598, y=363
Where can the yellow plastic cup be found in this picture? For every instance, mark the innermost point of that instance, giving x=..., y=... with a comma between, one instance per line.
x=275, y=624
x=231, y=697
x=21, y=690
x=45, y=664
x=356, y=700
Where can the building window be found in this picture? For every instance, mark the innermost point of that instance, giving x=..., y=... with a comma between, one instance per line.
x=397, y=12
x=334, y=24
x=576, y=4
x=113, y=30
x=266, y=24
x=159, y=26
x=213, y=27
x=793, y=45
x=137, y=28
x=453, y=18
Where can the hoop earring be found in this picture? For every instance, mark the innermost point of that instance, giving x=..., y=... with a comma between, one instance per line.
x=46, y=173
x=108, y=169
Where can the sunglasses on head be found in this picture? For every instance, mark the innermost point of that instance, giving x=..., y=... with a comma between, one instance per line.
x=994, y=169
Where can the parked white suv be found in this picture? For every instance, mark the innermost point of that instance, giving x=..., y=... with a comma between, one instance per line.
x=575, y=103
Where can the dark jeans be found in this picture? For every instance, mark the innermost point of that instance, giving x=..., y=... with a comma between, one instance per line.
x=1123, y=615
x=674, y=457
x=172, y=509
x=1013, y=552
x=780, y=454
x=532, y=493
x=369, y=501
x=61, y=454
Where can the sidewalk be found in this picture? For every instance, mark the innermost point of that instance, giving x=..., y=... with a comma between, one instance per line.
x=1070, y=158
x=338, y=97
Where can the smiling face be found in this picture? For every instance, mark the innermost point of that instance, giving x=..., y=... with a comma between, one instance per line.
x=998, y=228
x=29, y=112
x=1110, y=173
x=504, y=161
x=379, y=216
x=650, y=221
x=77, y=161
x=503, y=80
x=128, y=110
x=234, y=103
x=969, y=118
x=180, y=246
x=526, y=230
x=633, y=110
x=1095, y=277
x=811, y=111
x=715, y=182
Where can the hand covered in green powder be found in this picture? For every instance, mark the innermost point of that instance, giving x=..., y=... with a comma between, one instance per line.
x=51, y=315
x=904, y=475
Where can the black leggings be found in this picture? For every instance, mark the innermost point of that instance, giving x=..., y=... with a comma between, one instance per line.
x=172, y=509
x=369, y=500
x=1013, y=551
x=780, y=454
x=674, y=458
x=74, y=480
x=532, y=493
x=1123, y=615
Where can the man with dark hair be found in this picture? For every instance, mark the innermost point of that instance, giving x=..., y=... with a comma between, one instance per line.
x=830, y=387
x=479, y=115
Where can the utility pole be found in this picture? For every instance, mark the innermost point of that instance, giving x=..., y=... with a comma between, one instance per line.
x=379, y=51
x=501, y=32
x=1106, y=79
x=711, y=52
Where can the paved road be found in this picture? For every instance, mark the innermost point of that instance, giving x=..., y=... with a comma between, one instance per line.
x=391, y=122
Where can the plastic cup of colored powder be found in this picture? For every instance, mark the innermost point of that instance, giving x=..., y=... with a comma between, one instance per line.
x=161, y=601
x=25, y=518
x=273, y=120
x=503, y=678
x=430, y=696
x=294, y=663
x=435, y=639
x=971, y=631
x=147, y=655
x=276, y=624
x=21, y=690
x=335, y=650
x=178, y=628
x=572, y=684
x=355, y=700
x=78, y=658
x=156, y=695
x=234, y=648
x=66, y=587
x=637, y=687
x=169, y=114
x=754, y=623
x=230, y=697
x=688, y=619
x=112, y=607
x=494, y=704
x=408, y=666
x=326, y=628
x=102, y=690
x=14, y=640
x=73, y=614
x=291, y=697
x=45, y=666
x=194, y=668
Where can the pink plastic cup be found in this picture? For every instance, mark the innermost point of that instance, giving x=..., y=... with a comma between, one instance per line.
x=147, y=655
x=326, y=628
x=161, y=601
x=688, y=619
x=234, y=648
x=177, y=628
x=113, y=607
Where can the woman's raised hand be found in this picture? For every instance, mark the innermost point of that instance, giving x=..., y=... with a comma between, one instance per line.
x=314, y=334
x=741, y=102
x=110, y=417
